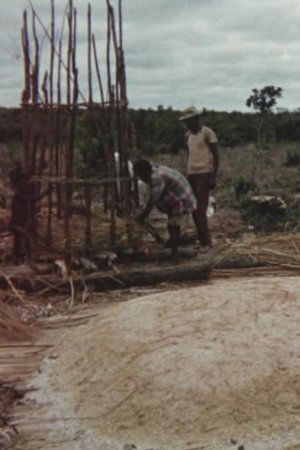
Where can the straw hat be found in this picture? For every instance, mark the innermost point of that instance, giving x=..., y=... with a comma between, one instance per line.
x=189, y=112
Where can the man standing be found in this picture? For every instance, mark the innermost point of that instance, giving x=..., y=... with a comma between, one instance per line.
x=203, y=162
x=170, y=192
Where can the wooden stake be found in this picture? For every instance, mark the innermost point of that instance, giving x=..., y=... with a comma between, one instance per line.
x=26, y=93
x=97, y=69
x=70, y=148
x=88, y=149
x=51, y=128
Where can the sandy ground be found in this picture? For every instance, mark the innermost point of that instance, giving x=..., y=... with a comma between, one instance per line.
x=210, y=367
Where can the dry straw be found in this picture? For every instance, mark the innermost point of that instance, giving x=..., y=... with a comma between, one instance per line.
x=276, y=249
x=12, y=327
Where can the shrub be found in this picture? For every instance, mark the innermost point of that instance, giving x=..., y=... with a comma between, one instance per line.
x=292, y=158
x=242, y=186
x=264, y=213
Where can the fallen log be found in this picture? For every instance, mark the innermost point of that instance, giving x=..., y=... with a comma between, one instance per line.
x=199, y=270
x=159, y=255
x=43, y=279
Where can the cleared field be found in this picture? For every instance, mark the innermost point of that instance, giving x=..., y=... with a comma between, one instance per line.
x=208, y=367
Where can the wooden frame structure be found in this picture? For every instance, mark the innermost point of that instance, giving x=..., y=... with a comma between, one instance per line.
x=53, y=105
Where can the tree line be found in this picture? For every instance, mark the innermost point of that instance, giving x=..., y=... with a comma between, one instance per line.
x=159, y=130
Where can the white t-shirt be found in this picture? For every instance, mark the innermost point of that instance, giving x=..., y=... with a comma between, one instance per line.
x=200, y=159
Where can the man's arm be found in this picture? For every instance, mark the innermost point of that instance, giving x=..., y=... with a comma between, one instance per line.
x=156, y=189
x=215, y=152
x=144, y=211
x=186, y=153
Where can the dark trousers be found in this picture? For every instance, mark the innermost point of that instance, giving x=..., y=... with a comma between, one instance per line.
x=22, y=245
x=200, y=183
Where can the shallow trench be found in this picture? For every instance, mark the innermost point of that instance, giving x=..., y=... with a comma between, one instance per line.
x=209, y=367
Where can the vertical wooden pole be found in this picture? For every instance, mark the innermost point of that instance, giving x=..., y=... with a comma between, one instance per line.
x=70, y=148
x=111, y=162
x=35, y=72
x=58, y=147
x=124, y=122
x=122, y=116
x=102, y=130
x=69, y=51
x=88, y=149
x=52, y=53
x=97, y=69
x=51, y=125
x=35, y=124
x=26, y=94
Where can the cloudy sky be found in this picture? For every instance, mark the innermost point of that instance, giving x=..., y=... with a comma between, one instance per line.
x=207, y=53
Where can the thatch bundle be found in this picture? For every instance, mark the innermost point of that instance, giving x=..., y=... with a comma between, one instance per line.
x=275, y=249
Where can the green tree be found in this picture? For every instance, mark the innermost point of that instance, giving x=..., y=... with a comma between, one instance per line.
x=263, y=100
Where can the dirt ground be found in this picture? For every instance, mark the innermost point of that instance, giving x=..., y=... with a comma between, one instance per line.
x=212, y=367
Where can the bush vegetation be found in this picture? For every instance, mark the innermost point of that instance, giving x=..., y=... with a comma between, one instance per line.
x=292, y=157
x=265, y=216
x=158, y=134
x=159, y=130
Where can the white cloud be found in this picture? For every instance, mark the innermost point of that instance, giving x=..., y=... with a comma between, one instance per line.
x=210, y=53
